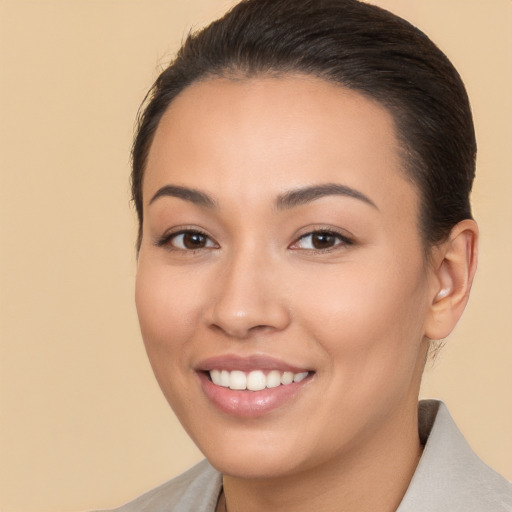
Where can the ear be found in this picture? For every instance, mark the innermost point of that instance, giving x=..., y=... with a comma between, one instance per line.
x=453, y=268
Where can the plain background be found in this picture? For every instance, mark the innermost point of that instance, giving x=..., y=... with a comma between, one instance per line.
x=83, y=423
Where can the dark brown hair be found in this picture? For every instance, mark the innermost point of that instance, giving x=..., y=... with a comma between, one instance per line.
x=355, y=45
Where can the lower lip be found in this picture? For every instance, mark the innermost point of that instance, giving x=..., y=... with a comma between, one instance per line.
x=250, y=404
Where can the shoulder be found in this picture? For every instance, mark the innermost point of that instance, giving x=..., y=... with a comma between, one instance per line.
x=450, y=476
x=195, y=490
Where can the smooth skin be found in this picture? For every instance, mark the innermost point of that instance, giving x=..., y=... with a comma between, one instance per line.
x=337, y=283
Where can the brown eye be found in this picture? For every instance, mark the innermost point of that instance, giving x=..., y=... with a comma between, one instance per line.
x=321, y=240
x=194, y=240
x=189, y=240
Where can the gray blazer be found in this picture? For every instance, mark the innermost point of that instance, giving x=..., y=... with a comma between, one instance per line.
x=449, y=477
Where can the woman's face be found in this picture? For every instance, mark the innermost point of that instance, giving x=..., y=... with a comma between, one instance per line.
x=281, y=241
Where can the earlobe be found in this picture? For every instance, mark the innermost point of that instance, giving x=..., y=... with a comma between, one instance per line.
x=455, y=263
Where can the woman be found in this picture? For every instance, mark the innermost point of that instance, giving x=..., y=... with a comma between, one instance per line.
x=301, y=173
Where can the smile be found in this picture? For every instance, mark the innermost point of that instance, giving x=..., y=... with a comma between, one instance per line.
x=255, y=380
x=253, y=386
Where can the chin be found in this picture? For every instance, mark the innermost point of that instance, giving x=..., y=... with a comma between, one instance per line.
x=254, y=454
x=261, y=464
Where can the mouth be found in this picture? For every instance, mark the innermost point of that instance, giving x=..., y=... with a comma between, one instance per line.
x=253, y=386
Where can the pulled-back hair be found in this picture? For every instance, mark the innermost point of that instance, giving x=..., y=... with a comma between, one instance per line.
x=355, y=45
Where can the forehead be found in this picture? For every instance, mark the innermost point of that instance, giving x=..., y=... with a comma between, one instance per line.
x=264, y=135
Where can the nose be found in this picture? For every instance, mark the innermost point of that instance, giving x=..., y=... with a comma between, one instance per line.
x=248, y=298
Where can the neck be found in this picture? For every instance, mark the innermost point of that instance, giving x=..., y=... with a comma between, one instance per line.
x=373, y=477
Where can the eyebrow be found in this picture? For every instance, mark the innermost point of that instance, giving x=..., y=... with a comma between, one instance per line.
x=187, y=194
x=288, y=200
x=305, y=195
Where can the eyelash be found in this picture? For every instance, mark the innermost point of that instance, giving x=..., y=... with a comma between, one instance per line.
x=342, y=240
x=167, y=238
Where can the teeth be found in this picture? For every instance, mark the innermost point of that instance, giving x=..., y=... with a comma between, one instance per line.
x=224, y=378
x=287, y=378
x=255, y=380
x=300, y=376
x=237, y=380
x=215, y=376
x=273, y=379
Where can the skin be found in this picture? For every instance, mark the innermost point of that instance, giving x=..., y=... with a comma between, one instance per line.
x=357, y=313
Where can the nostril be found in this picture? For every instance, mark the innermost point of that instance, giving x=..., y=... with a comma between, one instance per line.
x=260, y=328
x=241, y=331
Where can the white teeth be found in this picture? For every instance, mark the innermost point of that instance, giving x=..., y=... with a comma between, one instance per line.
x=237, y=380
x=255, y=380
x=300, y=376
x=224, y=379
x=273, y=379
x=215, y=375
x=287, y=378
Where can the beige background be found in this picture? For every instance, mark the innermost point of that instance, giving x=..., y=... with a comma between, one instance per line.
x=83, y=423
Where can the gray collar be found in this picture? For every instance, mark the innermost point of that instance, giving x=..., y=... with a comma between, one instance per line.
x=450, y=477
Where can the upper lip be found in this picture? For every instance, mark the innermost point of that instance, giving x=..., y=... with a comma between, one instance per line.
x=231, y=362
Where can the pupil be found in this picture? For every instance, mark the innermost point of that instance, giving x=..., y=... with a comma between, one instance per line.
x=323, y=240
x=194, y=240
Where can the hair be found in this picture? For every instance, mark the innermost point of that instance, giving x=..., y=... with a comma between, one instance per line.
x=354, y=45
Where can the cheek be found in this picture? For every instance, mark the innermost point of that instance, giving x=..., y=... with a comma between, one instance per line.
x=366, y=318
x=166, y=308
x=168, y=315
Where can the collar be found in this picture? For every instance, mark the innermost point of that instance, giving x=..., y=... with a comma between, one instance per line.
x=450, y=477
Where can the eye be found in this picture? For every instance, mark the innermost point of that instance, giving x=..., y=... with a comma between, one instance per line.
x=321, y=240
x=187, y=240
